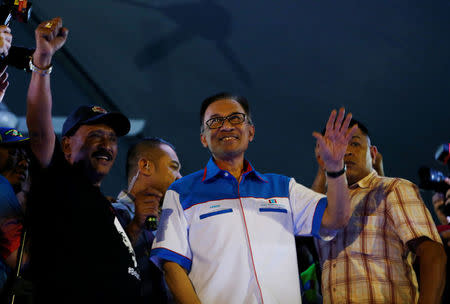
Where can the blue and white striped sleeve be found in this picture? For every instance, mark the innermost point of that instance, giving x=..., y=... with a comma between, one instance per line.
x=171, y=241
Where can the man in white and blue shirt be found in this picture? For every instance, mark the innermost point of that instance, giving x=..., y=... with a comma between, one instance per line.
x=227, y=232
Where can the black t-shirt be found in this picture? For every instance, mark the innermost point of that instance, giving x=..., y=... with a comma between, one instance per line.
x=78, y=254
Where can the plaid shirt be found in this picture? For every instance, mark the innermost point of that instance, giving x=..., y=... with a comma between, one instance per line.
x=368, y=261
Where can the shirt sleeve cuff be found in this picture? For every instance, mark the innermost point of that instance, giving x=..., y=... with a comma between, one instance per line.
x=317, y=230
x=158, y=255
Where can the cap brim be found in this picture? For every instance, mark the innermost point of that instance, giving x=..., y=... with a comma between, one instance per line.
x=16, y=141
x=116, y=120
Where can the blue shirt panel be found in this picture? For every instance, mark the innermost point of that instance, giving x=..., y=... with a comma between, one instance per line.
x=9, y=205
x=213, y=183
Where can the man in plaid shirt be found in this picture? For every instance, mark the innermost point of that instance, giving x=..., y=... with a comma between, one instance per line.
x=370, y=260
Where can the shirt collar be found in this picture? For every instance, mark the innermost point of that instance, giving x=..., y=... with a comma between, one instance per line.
x=366, y=181
x=213, y=171
x=125, y=198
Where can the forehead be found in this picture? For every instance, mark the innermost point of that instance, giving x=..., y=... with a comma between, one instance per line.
x=86, y=129
x=223, y=107
x=360, y=135
x=168, y=153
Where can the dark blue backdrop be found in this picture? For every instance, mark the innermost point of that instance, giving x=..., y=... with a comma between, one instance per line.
x=386, y=61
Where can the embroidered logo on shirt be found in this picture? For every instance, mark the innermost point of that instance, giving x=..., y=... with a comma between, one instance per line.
x=273, y=201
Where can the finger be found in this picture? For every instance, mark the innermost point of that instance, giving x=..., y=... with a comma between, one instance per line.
x=5, y=29
x=320, y=139
x=3, y=68
x=61, y=38
x=8, y=37
x=4, y=86
x=346, y=123
x=330, y=122
x=3, y=77
x=340, y=117
x=351, y=132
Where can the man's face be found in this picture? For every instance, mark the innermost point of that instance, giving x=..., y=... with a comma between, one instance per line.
x=166, y=171
x=95, y=146
x=359, y=157
x=14, y=164
x=229, y=140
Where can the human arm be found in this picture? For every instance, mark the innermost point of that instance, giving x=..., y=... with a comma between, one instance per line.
x=432, y=263
x=179, y=284
x=320, y=181
x=410, y=219
x=331, y=148
x=50, y=36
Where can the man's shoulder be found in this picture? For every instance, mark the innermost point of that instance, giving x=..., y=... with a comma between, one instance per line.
x=390, y=184
x=187, y=182
x=275, y=177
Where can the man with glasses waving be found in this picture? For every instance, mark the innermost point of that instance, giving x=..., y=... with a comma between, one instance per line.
x=226, y=233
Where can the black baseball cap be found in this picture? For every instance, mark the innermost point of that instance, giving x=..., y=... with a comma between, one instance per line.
x=9, y=136
x=92, y=115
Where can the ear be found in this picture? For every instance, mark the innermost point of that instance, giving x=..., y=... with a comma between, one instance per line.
x=251, y=133
x=66, y=147
x=373, y=154
x=203, y=140
x=146, y=167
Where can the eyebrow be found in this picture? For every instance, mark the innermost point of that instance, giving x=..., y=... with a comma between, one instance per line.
x=356, y=136
x=174, y=162
x=110, y=133
x=218, y=115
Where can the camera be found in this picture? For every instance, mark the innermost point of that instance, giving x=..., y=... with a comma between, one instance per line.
x=19, y=10
x=431, y=179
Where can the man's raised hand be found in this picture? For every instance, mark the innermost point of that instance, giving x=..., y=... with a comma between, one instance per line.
x=50, y=37
x=333, y=145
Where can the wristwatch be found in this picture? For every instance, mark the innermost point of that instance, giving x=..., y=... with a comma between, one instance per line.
x=337, y=173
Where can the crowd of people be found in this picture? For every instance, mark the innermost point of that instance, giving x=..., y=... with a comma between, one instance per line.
x=224, y=234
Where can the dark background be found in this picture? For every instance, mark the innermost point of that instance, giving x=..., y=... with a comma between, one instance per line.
x=386, y=61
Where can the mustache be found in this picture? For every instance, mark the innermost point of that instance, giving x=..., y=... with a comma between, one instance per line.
x=102, y=152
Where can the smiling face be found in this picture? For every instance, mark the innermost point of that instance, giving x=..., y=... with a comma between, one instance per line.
x=95, y=147
x=14, y=164
x=359, y=157
x=230, y=140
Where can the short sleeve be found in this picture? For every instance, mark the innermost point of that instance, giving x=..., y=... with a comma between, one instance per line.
x=122, y=214
x=308, y=208
x=171, y=241
x=408, y=213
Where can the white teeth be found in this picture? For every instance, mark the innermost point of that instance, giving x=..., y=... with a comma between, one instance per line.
x=102, y=157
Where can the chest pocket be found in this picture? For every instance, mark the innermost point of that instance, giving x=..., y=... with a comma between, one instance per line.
x=278, y=210
x=215, y=213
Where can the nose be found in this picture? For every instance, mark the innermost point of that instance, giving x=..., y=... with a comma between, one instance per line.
x=348, y=152
x=227, y=125
x=108, y=143
x=178, y=176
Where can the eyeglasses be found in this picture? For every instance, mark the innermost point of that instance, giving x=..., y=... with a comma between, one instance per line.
x=217, y=122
